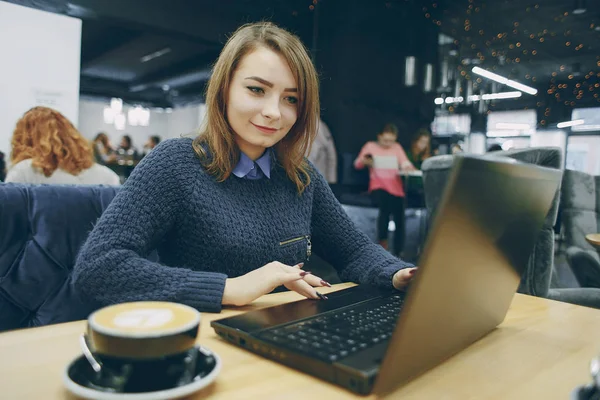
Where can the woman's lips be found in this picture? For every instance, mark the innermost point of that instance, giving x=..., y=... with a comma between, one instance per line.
x=264, y=128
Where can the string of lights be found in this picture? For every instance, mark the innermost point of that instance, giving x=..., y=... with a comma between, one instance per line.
x=524, y=47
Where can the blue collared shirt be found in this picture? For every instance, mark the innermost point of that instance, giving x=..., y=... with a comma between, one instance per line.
x=246, y=168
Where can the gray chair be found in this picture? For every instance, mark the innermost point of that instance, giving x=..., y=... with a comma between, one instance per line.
x=580, y=214
x=537, y=276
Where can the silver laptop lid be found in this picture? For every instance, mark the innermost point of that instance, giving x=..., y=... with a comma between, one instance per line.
x=489, y=219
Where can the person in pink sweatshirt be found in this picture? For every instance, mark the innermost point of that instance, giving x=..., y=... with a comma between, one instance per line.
x=385, y=158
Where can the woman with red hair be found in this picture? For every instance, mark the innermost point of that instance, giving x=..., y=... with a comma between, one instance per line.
x=47, y=148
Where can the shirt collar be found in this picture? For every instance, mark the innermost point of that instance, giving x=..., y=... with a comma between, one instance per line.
x=246, y=165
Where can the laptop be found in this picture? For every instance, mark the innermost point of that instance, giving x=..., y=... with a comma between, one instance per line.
x=373, y=341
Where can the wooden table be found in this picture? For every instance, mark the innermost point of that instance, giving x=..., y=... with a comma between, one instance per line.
x=594, y=239
x=541, y=351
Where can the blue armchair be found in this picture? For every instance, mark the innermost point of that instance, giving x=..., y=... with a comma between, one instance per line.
x=42, y=229
x=580, y=199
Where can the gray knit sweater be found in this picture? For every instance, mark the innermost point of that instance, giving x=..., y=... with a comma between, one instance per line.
x=206, y=231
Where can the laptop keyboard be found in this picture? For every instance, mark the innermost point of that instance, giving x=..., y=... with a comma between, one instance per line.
x=340, y=333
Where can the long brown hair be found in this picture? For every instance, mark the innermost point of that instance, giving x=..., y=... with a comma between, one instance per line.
x=216, y=145
x=103, y=139
x=423, y=154
x=51, y=141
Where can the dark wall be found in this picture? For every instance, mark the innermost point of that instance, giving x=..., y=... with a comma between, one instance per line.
x=360, y=54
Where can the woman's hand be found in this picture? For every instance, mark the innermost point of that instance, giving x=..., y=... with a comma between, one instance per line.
x=247, y=288
x=403, y=277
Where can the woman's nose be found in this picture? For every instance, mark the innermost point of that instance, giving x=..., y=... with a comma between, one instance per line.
x=271, y=108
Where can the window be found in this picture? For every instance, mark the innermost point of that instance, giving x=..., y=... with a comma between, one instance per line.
x=583, y=154
x=591, y=118
x=451, y=124
x=511, y=123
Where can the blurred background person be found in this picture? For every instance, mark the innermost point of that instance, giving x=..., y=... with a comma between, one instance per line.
x=435, y=148
x=456, y=149
x=152, y=142
x=2, y=167
x=494, y=147
x=104, y=153
x=47, y=148
x=126, y=147
x=384, y=158
x=323, y=154
x=420, y=150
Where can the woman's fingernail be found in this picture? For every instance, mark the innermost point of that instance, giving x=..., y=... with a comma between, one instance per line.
x=325, y=283
x=322, y=296
x=300, y=265
x=412, y=271
x=304, y=273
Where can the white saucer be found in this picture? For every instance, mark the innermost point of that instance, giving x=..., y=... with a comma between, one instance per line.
x=174, y=393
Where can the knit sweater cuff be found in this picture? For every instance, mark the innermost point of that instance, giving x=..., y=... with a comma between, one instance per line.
x=204, y=291
x=386, y=274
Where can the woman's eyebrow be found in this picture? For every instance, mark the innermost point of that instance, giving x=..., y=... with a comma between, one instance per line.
x=269, y=84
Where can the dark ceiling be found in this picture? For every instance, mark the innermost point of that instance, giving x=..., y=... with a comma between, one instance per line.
x=159, y=52
x=540, y=43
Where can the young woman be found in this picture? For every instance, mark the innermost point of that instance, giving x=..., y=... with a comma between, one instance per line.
x=103, y=151
x=152, y=142
x=127, y=150
x=46, y=148
x=420, y=150
x=384, y=158
x=235, y=212
x=456, y=149
x=2, y=167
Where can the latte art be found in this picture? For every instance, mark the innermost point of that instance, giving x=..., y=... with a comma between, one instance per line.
x=148, y=318
x=144, y=319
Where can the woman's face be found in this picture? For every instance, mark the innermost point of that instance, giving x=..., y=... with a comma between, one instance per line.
x=456, y=150
x=262, y=101
x=386, y=139
x=422, y=143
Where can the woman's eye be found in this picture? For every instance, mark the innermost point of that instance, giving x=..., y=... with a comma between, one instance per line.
x=256, y=89
x=292, y=99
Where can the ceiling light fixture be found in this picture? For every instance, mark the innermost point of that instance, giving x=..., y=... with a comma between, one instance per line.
x=457, y=99
x=81, y=12
x=567, y=124
x=156, y=54
x=473, y=98
x=409, y=71
x=580, y=7
x=115, y=114
x=428, y=81
x=496, y=96
x=138, y=116
x=504, y=81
